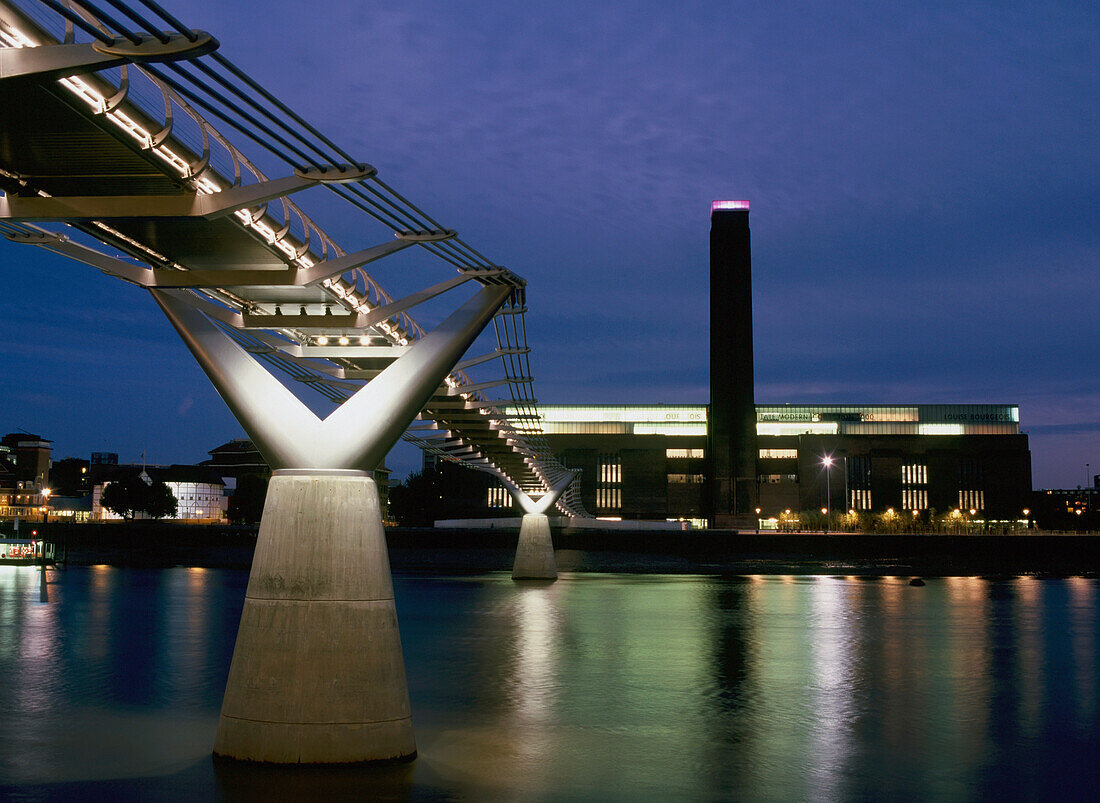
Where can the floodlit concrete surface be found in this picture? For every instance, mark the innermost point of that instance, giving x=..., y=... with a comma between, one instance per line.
x=535, y=552
x=318, y=674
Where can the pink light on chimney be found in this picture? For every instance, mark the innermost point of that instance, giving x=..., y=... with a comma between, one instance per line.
x=729, y=206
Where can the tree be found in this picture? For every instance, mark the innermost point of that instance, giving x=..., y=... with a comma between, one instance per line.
x=418, y=501
x=137, y=493
x=159, y=502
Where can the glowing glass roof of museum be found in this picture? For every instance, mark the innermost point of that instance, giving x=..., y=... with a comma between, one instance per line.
x=785, y=419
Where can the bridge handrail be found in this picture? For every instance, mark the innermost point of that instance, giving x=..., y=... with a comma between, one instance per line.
x=126, y=107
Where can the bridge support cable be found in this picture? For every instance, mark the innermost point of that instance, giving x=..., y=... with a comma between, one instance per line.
x=370, y=194
x=253, y=294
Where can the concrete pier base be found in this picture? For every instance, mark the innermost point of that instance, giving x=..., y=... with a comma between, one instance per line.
x=535, y=552
x=318, y=676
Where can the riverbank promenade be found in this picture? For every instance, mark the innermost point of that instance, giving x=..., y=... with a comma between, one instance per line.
x=153, y=544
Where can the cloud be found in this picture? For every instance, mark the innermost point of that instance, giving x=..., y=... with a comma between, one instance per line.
x=923, y=181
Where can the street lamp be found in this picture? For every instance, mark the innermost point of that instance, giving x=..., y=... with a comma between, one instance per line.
x=827, y=462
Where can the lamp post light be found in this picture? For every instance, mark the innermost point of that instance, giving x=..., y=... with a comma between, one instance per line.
x=827, y=462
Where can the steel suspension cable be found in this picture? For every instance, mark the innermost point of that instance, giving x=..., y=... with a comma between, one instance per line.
x=78, y=21
x=205, y=104
x=395, y=210
x=109, y=21
x=171, y=20
x=456, y=247
x=140, y=19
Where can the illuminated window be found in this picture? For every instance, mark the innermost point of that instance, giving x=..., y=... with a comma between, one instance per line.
x=914, y=474
x=971, y=500
x=678, y=453
x=914, y=486
x=971, y=484
x=858, y=475
x=797, y=428
x=940, y=429
x=859, y=499
x=914, y=498
x=609, y=494
x=679, y=479
x=609, y=498
x=779, y=454
x=628, y=419
x=499, y=497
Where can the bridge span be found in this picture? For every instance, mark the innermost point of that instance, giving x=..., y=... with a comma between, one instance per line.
x=109, y=155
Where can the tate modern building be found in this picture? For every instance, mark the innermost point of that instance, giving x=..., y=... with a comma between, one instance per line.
x=733, y=463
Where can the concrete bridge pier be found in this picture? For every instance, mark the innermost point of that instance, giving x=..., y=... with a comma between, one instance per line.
x=317, y=675
x=535, y=550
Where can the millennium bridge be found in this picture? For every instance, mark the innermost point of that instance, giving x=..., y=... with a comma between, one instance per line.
x=109, y=155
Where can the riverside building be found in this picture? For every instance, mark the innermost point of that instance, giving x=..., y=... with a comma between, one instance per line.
x=650, y=461
x=735, y=463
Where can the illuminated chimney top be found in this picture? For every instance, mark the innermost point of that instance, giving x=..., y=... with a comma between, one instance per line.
x=729, y=206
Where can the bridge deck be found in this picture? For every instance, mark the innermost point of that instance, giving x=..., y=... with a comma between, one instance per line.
x=86, y=145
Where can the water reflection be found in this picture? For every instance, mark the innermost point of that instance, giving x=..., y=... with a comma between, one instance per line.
x=99, y=675
x=596, y=686
x=834, y=667
x=1082, y=604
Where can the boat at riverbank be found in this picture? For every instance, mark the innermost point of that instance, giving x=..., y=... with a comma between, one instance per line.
x=16, y=552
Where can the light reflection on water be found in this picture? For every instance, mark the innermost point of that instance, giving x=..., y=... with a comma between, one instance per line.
x=597, y=686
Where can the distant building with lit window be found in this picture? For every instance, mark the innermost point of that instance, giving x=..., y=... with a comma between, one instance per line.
x=24, y=470
x=1076, y=509
x=650, y=461
x=735, y=463
x=199, y=492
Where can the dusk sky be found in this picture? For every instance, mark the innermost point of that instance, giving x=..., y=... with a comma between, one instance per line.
x=924, y=180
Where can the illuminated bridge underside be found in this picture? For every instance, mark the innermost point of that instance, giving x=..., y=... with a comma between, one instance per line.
x=96, y=150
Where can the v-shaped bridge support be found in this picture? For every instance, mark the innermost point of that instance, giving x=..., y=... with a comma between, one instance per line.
x=317, y=674
x=359, y=433
x=535, y=550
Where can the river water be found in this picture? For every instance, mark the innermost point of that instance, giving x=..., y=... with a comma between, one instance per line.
x=597, y=687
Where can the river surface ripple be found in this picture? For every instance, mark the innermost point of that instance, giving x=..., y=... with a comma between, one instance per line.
x=597, y=687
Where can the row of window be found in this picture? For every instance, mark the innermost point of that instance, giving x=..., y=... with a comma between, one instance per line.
x=609, y=491
x=499, y=497
x=693, y=479
x=914, y=474
x=859, y=499
x=611, y=473
x=778, y=454
x=680, y=453
x=609, y=498
x=917, y=499
x=914, y=498
x=972, y=500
